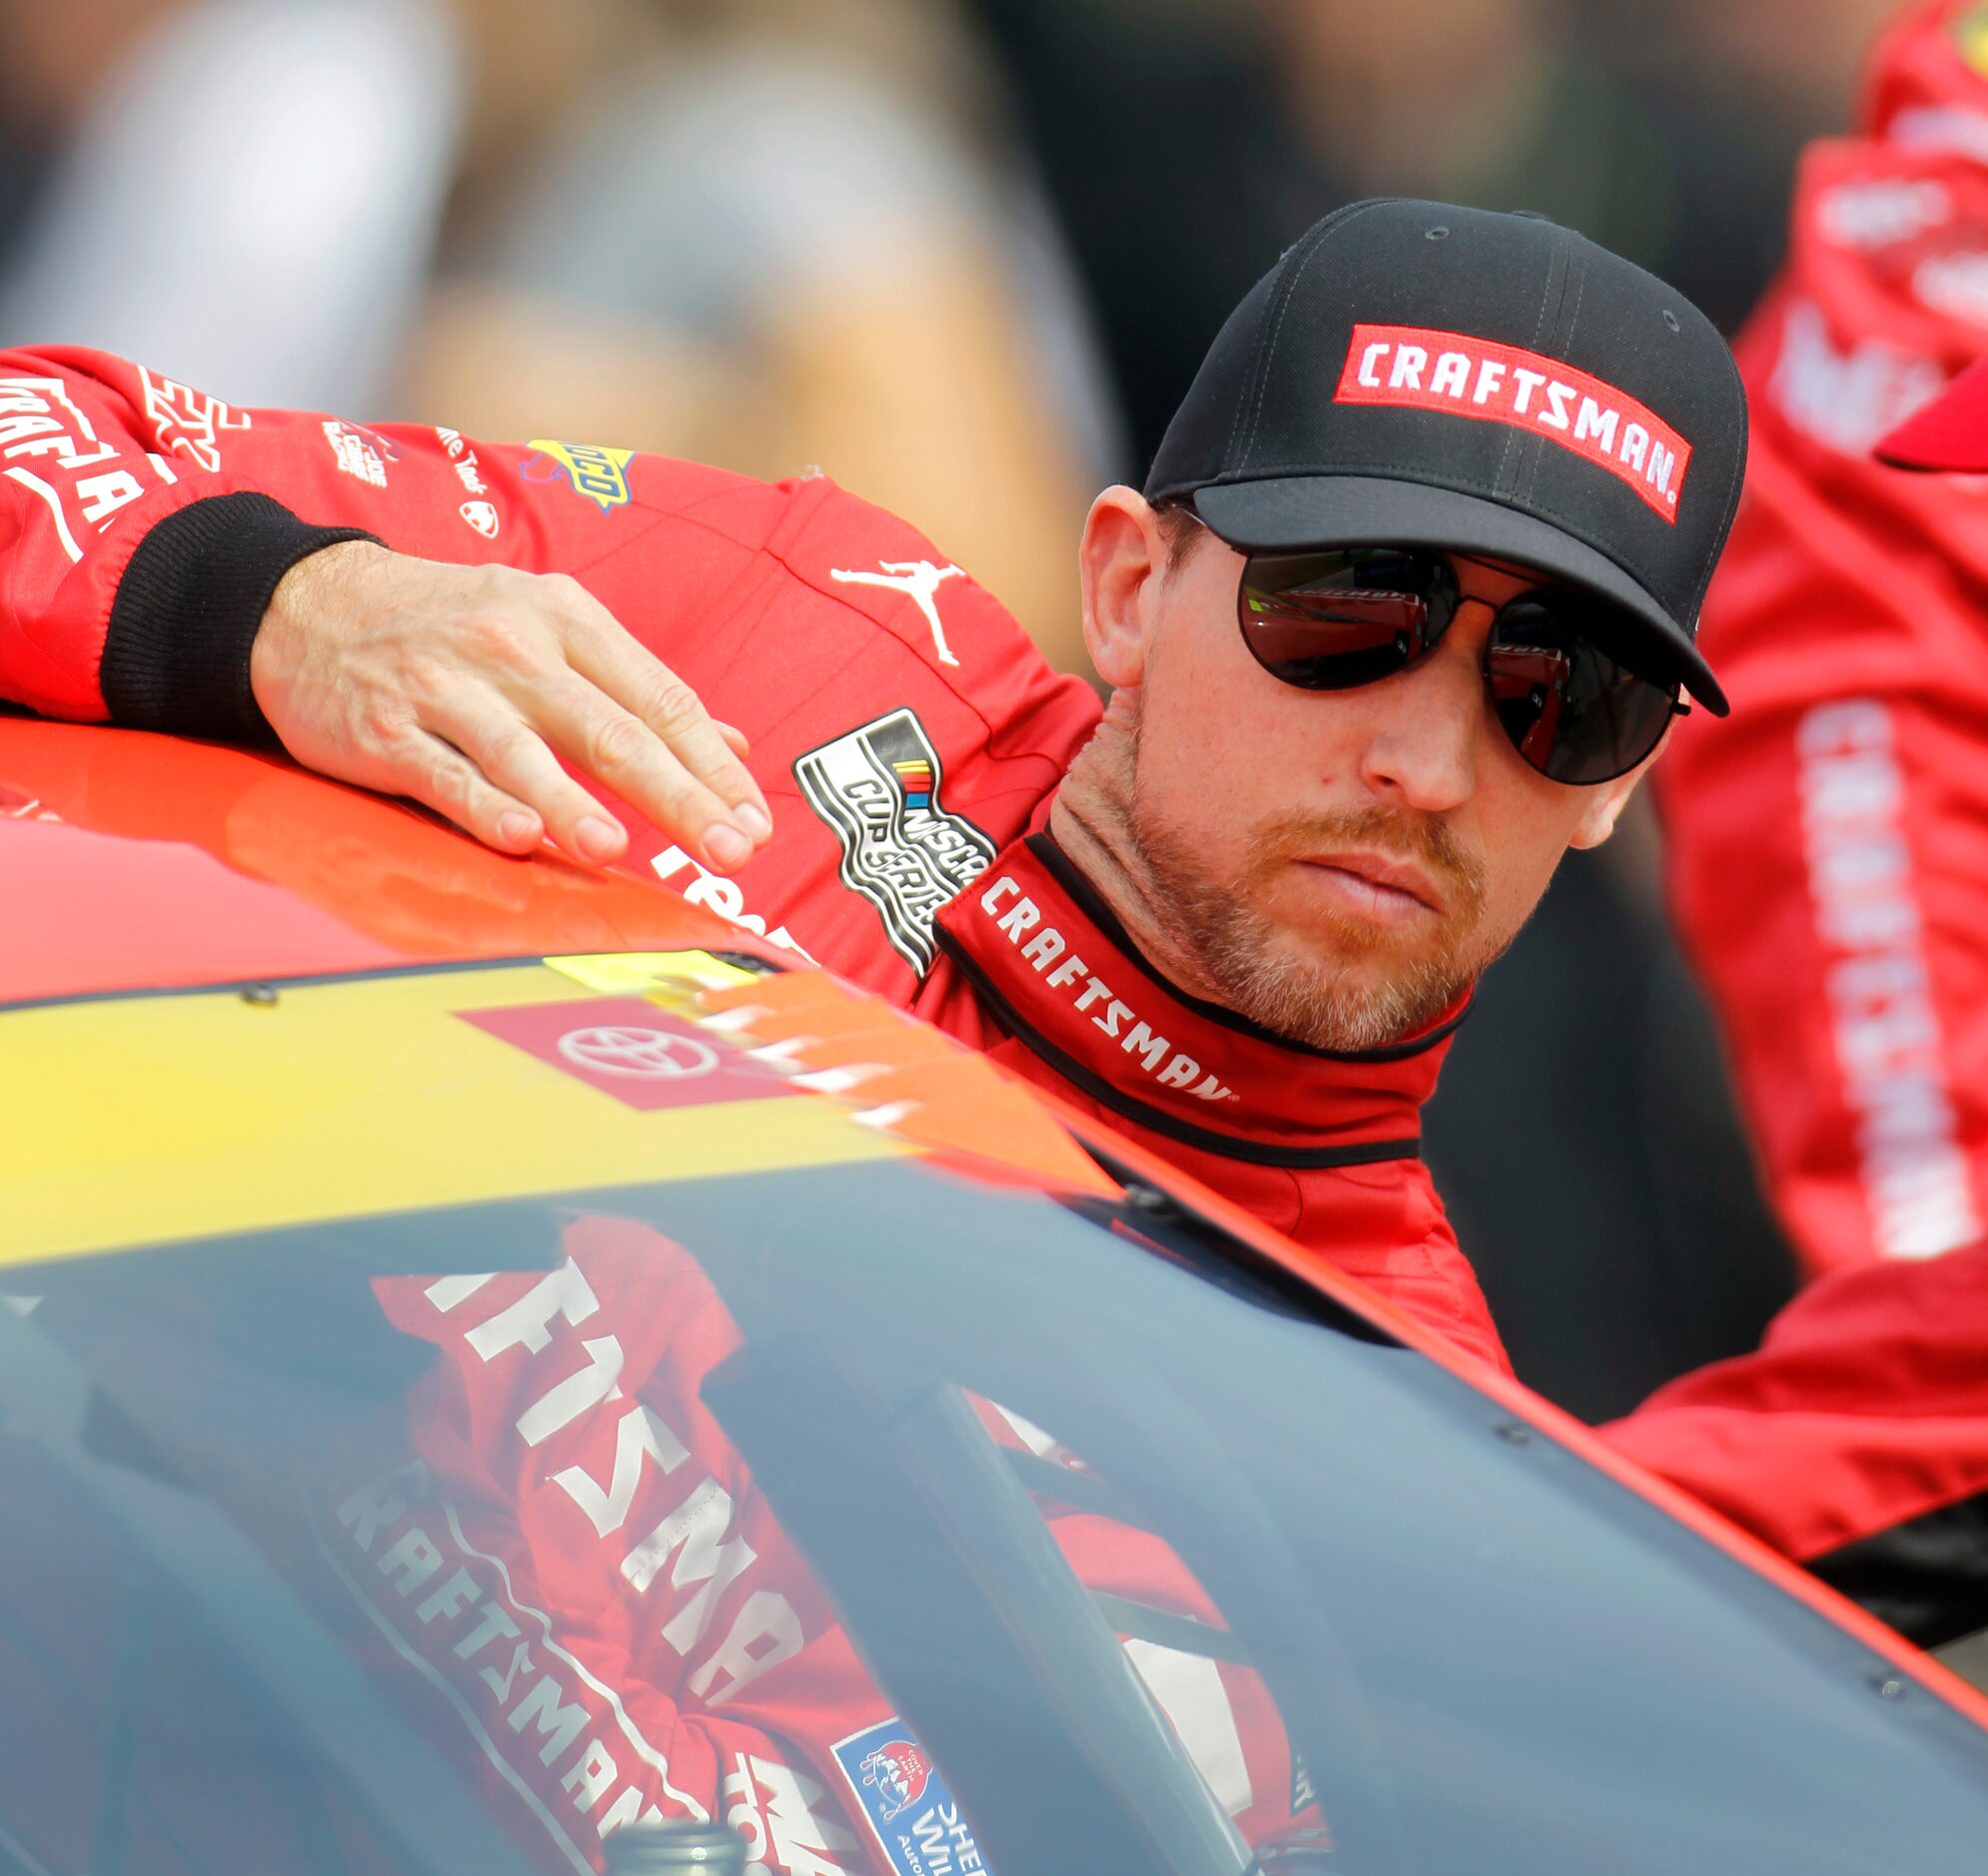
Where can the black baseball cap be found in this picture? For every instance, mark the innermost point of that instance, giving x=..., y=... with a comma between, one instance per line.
x=1422, y=374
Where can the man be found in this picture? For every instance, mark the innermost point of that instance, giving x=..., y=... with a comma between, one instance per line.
x=1402, y=613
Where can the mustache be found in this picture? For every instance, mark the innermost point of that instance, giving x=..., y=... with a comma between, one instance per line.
x=1418, y=838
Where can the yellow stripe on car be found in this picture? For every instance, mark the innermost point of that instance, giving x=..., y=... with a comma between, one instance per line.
x=155, y=1118
x=637, y=973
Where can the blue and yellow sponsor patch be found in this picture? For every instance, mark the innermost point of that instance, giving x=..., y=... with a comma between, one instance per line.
x=599, y=474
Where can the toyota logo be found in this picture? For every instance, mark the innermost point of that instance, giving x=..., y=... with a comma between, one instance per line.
x=647, y=1054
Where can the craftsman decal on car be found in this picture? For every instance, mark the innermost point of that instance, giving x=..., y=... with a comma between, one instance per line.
x=582, y=1742
x=878, y=788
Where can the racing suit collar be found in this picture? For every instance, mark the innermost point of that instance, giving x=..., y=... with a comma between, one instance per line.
x=1064, y=976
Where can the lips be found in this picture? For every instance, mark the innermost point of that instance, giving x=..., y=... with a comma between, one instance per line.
x=1390, y=875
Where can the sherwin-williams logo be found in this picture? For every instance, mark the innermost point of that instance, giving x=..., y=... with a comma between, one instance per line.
x=878, y=788
x=1424, y=369
x=905, y=1800
x=599, y=474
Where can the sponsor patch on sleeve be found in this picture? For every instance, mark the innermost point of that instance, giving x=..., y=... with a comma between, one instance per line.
x=905, y=1799
x=877, y=787
x=601, y=476
x=1419, y=369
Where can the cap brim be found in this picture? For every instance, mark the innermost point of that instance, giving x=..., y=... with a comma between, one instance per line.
x=1951, y=433
x=1290, y=514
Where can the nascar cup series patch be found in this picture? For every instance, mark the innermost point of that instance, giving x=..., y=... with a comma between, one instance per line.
x=878, y=789
x=905, y=1798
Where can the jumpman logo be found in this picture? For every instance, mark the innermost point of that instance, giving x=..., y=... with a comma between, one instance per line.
x=921, y=580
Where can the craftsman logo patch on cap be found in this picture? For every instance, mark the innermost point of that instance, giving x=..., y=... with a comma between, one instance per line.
x=1422, y=368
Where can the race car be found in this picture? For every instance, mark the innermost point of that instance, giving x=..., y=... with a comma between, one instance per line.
x=502, y=1369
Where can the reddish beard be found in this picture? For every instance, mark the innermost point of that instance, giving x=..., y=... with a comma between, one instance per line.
x=1336, y=982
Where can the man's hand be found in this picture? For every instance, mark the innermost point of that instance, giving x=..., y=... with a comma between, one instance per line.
x=459, y=685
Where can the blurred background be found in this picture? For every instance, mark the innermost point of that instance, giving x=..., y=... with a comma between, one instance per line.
x=964, y=255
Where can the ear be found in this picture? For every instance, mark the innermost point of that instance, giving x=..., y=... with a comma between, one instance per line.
x=1605, y=802
x=1121, y=562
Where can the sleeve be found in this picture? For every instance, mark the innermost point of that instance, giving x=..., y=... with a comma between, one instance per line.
x=145, y=525
x=138, y=559
x=1854, y=1440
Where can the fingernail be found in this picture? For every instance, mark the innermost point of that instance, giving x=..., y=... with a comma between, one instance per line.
x=726, y=845
x=598, y=839
x=517, y=827
x=756, y=823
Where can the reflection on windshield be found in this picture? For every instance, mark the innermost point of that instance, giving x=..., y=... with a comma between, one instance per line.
x=895, y=1525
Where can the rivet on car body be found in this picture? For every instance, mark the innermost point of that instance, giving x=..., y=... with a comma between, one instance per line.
x=259, y=994
x=1512, y=1433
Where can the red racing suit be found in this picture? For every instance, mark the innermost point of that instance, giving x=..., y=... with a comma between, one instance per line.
x=907, y=736
x=1828, y=866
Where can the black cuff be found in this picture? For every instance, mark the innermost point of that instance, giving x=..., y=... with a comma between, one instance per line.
x=176, y=656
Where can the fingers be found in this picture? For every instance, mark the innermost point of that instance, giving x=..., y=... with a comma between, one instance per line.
x=436, y=774
x=466, y=688
x=514, y=760
x=689, y=764
x=603, y=740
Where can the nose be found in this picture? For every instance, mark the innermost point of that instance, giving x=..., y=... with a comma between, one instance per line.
x=1429, y=722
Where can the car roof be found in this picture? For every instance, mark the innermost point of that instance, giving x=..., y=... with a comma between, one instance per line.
x=155, y=863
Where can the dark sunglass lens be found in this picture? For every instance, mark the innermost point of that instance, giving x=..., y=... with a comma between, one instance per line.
x=1331, y=622
x=1571, y=709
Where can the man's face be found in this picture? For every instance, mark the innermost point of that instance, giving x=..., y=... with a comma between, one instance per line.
x=1335, y=865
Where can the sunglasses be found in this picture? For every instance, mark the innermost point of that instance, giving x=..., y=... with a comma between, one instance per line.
x=1338, y=618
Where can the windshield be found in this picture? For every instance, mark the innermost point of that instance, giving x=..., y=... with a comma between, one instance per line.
x=898, y=1523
